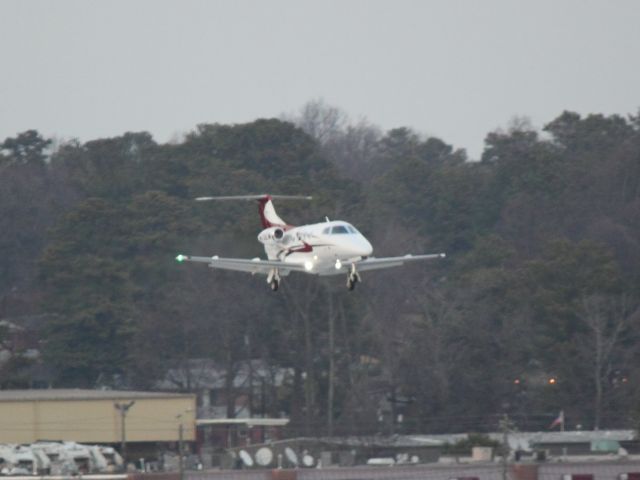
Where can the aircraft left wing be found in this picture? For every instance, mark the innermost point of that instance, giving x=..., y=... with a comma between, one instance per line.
x=255, y=265
x=374, y=263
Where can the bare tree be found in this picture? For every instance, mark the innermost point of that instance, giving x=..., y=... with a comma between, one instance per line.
x=320, y=120
x=606, y=342
x=351, y=147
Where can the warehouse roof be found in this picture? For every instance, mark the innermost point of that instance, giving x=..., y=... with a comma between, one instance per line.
x=78, y=394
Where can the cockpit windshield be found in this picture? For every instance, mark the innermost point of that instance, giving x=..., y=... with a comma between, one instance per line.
x=339, y=230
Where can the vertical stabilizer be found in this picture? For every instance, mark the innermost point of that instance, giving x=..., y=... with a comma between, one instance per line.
x=268, y=215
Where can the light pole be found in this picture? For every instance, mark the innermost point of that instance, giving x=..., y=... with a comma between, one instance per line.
x=123, y=408
x=180, y=460
x=180, y=443
x=506, y=426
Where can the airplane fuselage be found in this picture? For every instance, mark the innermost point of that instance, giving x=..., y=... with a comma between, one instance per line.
x=322, y=248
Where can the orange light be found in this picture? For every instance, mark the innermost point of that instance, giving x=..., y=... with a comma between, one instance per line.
x=552, y=381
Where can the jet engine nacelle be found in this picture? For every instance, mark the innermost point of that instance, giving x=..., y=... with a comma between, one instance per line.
x=274, y=235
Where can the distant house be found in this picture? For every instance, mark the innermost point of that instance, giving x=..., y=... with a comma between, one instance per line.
x=241, y=410
x=21, y=364
x=252, y=391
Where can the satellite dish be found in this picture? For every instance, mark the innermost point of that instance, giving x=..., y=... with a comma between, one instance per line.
x=246, y=458
x=264, y=456
x=308, y=460
x=291, y=456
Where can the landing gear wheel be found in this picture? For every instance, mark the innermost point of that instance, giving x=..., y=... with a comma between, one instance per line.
x=273, y=279
x=352, y=278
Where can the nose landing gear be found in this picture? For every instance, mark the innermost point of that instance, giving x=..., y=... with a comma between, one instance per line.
x=353, y=277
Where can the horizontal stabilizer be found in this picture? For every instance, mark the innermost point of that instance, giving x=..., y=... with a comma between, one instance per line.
x=255, y=197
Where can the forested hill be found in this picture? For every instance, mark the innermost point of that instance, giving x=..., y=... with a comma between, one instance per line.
x=534, y=310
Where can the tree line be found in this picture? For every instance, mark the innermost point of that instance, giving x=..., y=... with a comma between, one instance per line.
x=535, y=310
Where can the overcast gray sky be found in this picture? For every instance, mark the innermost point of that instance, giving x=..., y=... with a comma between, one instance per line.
x=450, y=68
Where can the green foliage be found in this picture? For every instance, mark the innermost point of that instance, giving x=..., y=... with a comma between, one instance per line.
x=105, y=264
x=595, y=133
x=563, y=275
x=28, y=148
x=432, y=193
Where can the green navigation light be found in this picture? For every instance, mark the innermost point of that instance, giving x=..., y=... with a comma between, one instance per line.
x=181, y=258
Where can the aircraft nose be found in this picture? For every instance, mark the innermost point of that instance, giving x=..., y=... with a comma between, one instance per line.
x=364, y=247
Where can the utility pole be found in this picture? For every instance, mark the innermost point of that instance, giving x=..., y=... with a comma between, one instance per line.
x=123, y=408
x=247, y=342
x=506, y=427
x=180, y=442
x=332, y=374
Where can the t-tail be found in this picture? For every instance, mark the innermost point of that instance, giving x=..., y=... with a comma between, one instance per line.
x=267, y=211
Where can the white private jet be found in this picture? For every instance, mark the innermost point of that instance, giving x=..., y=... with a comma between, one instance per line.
x=327, y=248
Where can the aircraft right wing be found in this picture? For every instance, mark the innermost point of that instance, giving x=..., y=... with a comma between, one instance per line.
x=254, y=265
x=373, y=263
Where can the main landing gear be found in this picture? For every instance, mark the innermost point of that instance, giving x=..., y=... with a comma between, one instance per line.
x=273, y=279
x=353, y=277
